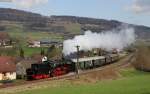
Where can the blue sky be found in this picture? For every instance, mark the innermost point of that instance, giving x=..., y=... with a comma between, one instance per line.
x=130, y=11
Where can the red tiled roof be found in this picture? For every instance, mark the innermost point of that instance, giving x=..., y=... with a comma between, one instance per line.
x=7, y=64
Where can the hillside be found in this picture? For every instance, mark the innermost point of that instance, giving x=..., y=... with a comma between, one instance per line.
x=65, y=26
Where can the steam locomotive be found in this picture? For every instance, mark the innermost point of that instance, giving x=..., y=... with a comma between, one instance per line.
x=48, y=68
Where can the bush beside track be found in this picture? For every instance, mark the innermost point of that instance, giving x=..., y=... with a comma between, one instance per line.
x=142, y=58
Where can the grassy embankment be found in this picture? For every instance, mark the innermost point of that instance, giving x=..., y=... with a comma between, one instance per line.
x=131, y=82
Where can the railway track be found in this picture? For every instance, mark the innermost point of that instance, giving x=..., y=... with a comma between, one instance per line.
x=123, y=62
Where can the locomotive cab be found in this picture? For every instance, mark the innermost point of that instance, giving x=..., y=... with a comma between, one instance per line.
x=38, y=71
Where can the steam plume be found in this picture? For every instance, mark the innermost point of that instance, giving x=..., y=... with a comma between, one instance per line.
x=107, y=40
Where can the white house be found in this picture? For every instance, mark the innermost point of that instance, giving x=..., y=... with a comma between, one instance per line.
x=34, y=44
x=7, y=68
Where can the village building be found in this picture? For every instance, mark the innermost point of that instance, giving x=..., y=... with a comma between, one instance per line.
x=44, y=43
x=49, y=43
x=7, y=68
x=34, y=44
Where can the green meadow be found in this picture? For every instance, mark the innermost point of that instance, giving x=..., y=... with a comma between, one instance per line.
x=131, y=82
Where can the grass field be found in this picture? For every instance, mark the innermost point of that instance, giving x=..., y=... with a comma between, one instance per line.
x=18, y=32
x=131, y=82
x=73, y=28
x=35, y=35
x=30, y=51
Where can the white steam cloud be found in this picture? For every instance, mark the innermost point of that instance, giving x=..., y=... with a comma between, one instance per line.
x=108, y=40
x=28, y=3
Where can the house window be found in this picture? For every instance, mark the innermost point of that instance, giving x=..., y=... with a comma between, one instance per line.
x=4, y=73
x=11, y=73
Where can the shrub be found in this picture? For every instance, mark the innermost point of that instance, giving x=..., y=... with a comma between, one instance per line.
x=142, y=58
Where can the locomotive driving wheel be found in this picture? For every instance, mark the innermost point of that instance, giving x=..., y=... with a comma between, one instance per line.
x=59, y=71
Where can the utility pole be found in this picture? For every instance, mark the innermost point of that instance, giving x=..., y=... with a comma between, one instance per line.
x=77, y=63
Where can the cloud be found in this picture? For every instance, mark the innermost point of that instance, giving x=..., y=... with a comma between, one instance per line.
x=140, y=6
x=28, y=3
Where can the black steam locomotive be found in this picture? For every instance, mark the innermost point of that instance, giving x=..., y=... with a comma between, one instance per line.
x=48, y=69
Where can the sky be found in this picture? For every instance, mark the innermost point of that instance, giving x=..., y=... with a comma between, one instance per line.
x=129, y=11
